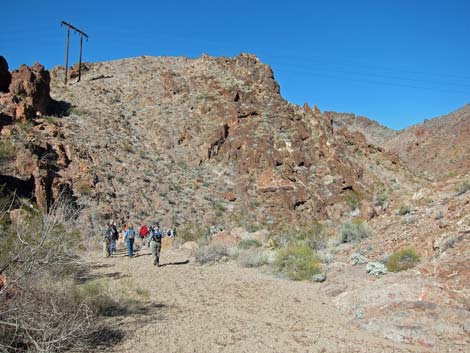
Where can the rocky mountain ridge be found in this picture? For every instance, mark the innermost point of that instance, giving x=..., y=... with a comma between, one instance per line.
x=436, y=149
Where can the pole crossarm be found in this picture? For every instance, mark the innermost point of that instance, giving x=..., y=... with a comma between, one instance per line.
x=75, y=29
x=82, y=34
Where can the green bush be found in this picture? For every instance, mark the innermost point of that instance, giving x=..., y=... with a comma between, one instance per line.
x=252, y=258
x=404, y=210
x=353, y=199
x=297, y=262
x=381, y=195
x=353, y=231
x=463, y=187
x=403, y=259
x=191, y=232
x=84, y=189
x=249, y=243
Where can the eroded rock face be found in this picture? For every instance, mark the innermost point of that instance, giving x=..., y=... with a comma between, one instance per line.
x=28, y=93
x=5, y=76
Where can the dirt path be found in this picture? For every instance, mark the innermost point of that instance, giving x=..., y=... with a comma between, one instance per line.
x=226, y=308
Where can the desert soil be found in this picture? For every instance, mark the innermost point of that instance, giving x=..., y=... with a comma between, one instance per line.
x=226, y=308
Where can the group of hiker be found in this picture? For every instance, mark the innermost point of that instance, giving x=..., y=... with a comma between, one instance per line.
x=150, y=236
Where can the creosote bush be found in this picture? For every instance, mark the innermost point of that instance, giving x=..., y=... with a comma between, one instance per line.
x=298, y=262
x=353, y=231
x=353, y=199
x=211, y=253
x=312, y=235
x=404, y=210
x=191, y=232
x=248, y=243
x=40, y=308
x=252, y=258
x=381, y=196
x=403, y=259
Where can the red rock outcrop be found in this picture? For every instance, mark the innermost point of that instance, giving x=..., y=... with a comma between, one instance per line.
x=28, y=94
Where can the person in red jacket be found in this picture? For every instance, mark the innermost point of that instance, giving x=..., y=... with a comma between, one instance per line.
x=143, y=233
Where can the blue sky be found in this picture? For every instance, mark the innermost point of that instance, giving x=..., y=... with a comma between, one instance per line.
x=395, y=61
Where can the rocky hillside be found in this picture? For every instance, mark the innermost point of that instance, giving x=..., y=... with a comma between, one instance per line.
x=209, y=139
x=195, y=142
x=435, y=149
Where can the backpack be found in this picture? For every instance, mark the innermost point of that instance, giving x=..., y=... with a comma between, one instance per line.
x=156, y=235
x=130, y=233
x=114, y=233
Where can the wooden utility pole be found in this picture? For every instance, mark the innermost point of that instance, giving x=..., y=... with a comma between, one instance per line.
x=82, y=34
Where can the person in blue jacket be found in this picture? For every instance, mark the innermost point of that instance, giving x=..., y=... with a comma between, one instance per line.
x=129, y=237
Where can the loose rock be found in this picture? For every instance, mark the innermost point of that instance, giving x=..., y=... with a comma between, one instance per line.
x=376, y=269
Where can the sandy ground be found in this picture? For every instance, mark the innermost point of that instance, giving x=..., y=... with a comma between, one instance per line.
x=226, y=308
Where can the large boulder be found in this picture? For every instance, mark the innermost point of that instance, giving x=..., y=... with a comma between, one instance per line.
x=5, y=76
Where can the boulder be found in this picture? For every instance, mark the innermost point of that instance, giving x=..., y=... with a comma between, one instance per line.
x=226, y=238
x=190, y=245
x=230, y=196
x=5, y=76
x=358, y=259
x=376, y=269
x=319, y=278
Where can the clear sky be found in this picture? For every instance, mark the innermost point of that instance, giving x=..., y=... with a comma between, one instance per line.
x=396, y=61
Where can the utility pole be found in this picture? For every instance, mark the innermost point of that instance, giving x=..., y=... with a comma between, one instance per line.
x=82, y=34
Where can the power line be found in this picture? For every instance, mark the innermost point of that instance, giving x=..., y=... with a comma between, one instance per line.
x=383, y=83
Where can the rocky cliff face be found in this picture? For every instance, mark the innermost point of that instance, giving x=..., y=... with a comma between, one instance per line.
x=35, y=161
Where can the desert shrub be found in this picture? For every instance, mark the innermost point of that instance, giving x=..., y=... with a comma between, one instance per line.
x=353, y=231
x=84, y=189
x=7, y=151
x=403, y=259
x=211, y=253
x=297, y=262
x=404, y=210
x=97, y=296
x=191, y=232
x=311, y=234
x=248, y=243
x=353, y=199
x=463, y=187
x=45, y=316
x=381, y=195
x=39, y=309
x=252, y=258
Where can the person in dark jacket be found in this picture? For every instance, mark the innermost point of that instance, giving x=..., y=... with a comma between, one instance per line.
x=156, y=235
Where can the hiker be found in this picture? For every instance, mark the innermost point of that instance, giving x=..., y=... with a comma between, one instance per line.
x=143, y=233
x=156, y=236
x=212, y=232
x=106, y=238
x=129, y=237
x=114, y=236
